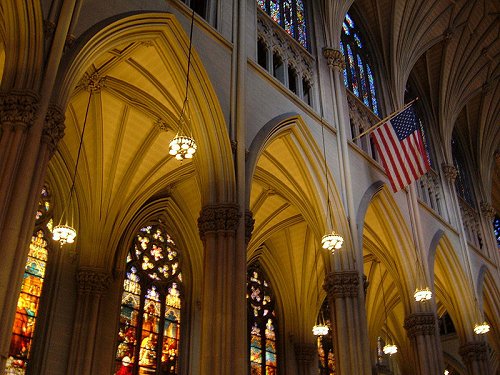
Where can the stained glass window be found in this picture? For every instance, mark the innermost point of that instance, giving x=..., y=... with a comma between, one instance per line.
x=326, y=354
x=262, y=323
x=496, y=228
x=149, y=333
x=31, y=289
x=290, y=15
x=358, y=75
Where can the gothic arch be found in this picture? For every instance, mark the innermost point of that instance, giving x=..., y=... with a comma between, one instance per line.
x=135, y=68
x=452, y=287
x=22, y=44
x=287, y=196
x=164, y=32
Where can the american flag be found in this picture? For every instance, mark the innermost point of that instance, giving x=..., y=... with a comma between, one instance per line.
x=401, y=148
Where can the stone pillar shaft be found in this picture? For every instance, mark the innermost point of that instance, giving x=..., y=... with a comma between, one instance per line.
x=343, y=293
x=20, y=189
x=92, y=284
x=221, y=327
x=421, y=329
x=305, y=354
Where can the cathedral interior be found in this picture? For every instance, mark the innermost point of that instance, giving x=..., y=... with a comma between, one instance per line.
x=215, y=162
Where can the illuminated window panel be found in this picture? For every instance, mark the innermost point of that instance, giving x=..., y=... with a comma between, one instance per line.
x=149, y=333
x=25, y=320
x=358, y=76
x=262, y=324
x=290, y=15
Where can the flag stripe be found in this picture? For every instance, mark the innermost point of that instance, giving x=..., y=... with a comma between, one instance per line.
x=401, y=149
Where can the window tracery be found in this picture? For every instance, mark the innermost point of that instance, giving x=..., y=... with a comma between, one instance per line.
x=262, y=323
x=150, y=315
x=358, y=75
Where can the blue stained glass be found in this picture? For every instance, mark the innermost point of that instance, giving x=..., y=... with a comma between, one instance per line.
x=358, y=41
x=262, y=4
x=288, y=17
x=364, y=85
x=496, y=228
x=274, y=10
x=372, y=89
x=349, y=20
x=301, y=23
x=353, y=71
x=346, y=29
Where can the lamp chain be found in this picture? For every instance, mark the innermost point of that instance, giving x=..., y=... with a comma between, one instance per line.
x=184, y=105
x=383, y=296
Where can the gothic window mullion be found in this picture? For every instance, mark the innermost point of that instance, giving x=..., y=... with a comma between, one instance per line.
x=161, y=323
x=138, y=330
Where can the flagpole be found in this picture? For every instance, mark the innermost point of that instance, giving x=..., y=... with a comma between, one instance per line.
x=381, y=122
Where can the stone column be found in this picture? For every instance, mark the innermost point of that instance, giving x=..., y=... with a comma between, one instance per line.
x=305, y=354
x=343, y=293
x=475, y=356
x=92, y=285
x=19, y=193
x=421, y=329
x=223, y=327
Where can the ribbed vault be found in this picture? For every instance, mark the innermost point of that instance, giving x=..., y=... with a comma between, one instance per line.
x=137, y=92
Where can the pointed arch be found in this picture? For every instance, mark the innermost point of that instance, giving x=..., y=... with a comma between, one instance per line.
x=163, y=30
x=287, y=196
x=452, y=287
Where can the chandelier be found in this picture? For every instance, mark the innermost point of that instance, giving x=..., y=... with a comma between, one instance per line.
x=320, y=330
x=66, y=233
x=422, y=294
x=183, y=146
x=481, y=328
x=390, y=349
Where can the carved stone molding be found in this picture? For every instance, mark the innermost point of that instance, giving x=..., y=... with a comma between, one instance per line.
x=342, y=284
x=91, y=281
x=219, y=217
x=305, y=352
x=161, y=125
x=334, y=58
x=473, y=351
x=450, y=172
x=249, y=225
x=487, y=210
x=53, y=129
x=419, y=324
x=93, y=82
x=366, y=284
x=18, y=109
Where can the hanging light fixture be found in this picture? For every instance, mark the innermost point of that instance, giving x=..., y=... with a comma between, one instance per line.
x=66, y=233
x=481, y=328
x=320, y=328
x=422, y=294
x=330, y=241
x=184, y=146
x=389, y=348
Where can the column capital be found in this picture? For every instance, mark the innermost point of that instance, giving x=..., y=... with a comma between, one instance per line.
x=305, y=352
x=53, y=129
x=450, y=172
x=487, y=210
x=92, y=281
x=420, y=324
x=249, y=225
x=473, y=351
x=18, y=108
x=334, y=58
x=342, y=284
x=218, y=217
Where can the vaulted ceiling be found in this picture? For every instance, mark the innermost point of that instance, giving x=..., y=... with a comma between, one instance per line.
x=448, y=51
